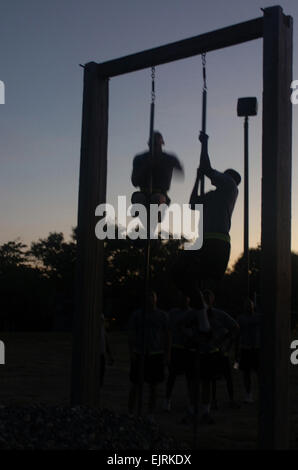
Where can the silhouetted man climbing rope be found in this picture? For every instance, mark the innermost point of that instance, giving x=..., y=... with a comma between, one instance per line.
x=162, y=165
x=210, y=262
x=152, y=173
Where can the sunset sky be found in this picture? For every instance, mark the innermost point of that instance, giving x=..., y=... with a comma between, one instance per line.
x=42, y=44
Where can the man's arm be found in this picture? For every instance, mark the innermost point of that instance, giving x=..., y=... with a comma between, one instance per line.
x=232, y=329
x=218, y=179
x=177, y=164
x=194, y=197
x=205, y=164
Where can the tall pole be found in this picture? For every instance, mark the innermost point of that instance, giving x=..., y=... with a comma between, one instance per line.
x=246, y=107
x=246, y=207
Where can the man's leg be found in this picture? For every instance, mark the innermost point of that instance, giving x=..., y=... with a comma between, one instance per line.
x=206, y=395
x=134, y=378
x=185, y=277
x=189, y=375
x=132, y=398
x=247, y=385
x=214, y=404
x=206, y=399
x=169, y=388
x=208, y=367
x=152, y=399
x=227, y=372
x=246, y=365
x=154, y=374
x=102, y=374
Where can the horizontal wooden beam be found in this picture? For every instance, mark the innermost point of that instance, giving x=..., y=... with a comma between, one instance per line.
x=218, y=39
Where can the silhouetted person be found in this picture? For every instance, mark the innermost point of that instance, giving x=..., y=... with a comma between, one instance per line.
x=223, y=328
x=249, y=341
x=196, y=330
x=210, y=262
x=225, y=360
x=157, y=351
x=181, y=362
x=105, y=351
x=161, y=165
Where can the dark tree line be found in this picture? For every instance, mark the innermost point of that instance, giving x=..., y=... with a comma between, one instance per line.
x=37, y=282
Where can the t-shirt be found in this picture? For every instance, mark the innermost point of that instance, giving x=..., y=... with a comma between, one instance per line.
x=249, y=330
x=180, y=333
x=218, y=204
x=220, y=323
x=194, y=325
x=156, y=328
x=164, y=164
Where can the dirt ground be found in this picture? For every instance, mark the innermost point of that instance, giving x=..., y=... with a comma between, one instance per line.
x=37, y=369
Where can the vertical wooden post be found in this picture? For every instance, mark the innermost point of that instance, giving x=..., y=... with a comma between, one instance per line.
x=276, y=230
x=92, y=191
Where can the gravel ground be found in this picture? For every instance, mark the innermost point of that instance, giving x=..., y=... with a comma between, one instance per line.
x=60, y=427
x=38, y=370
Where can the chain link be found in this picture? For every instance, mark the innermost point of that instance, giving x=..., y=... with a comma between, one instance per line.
x=153, y=84
x=204, y=59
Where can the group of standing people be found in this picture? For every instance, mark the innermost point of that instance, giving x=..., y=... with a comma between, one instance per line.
x=202, y=345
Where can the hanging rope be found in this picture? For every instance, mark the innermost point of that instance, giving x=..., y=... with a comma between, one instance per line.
x=202, y=191
x=147, y=249
x=152, y=111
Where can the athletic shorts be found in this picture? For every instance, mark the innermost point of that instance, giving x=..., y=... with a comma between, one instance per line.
x=249, y=360
x=210, y=262
x=154, y=369
x=211, y=366
x=226, y=365
x=191, y=363
x=179, y=361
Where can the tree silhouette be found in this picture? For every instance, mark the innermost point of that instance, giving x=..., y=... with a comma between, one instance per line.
x=37, y=284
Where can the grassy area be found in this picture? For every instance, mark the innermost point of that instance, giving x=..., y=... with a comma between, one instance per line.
x=38, y=366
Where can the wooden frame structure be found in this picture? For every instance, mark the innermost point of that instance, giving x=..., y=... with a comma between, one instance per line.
x=276, y=30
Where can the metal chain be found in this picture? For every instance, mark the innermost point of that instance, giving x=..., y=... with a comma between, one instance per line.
x=153, y=84
x=204, y=71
